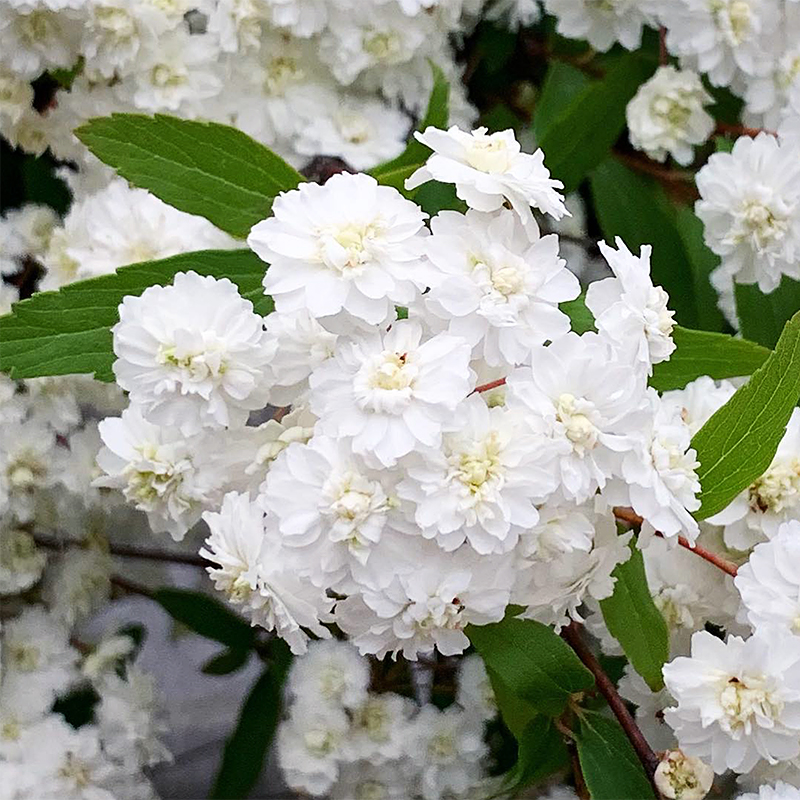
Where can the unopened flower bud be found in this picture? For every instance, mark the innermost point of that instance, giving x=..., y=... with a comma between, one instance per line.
x=682, y=777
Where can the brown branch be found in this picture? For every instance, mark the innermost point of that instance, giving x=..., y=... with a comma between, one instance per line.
x=648, y=167
x=663, y=55
x=572, y=635
x=128, y=551
x=129, y=587
x=629, y=516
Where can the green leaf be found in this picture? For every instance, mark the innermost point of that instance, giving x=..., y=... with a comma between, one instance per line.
x=762, y=316
x=227, y=661
x=541, y=752
x=68, y=331
x=705, y=353
x=247, y=746
x=202, y=168
x=206, y=616
x=515, y=712
x=636, y=209
x=395, y=172
x=634, y=621
x=532, y=661
x=737, y=444
x=578, y=137
x=701, y=262
x=609, y=763
x=562, y=84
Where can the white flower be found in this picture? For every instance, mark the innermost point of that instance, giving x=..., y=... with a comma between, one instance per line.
x=16, y=96
x=774, y=498
x=331, y=673
x=391, y=393
x=303, y=17
x=309, y=747
x=588, y=401
x=496, y=288
x=192, y=354
x=601, y=24
x=362, y=132
x=769, y=583
x=34, y=38
x=253, y=572
x=429, y=606
x=660, y=480
x=629, y=309
x=489, y=169
x=25, y=466
x=448, y=748
x=380, y=728
x=698, y=400
x=24, y=233
x=301, y=344
x=667, y=117
x=119, y=225
x=553, y=590
x=682, y=777
x=475, y=693
x=723, y=38
x=650, y=707
x=329, y=505
x=385, y=779
x=688, y=592
x=737, y=700
x=21, y=562
x=159, y=470
x=750, y=207
x=780, y=791
x=175, y=72
x=78, y=583
x=561, y=528
x=349, y=245
x=127, y=717
x=37, y=657
x=482, y=484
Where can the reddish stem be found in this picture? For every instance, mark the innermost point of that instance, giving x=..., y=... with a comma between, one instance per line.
x=741, y=130
x=629, y=516
x=663, y=55
x=491, y=385
x=572, y=635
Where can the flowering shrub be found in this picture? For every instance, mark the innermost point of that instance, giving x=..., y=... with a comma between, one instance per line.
x=493, y=503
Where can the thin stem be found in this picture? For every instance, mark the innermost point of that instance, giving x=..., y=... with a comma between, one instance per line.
x=741, y=130
x=128, y=551
x=129, y=587
x=572, y=635
x=663, y=55
x=629, y=516
x=648, y=167
x=491, y=385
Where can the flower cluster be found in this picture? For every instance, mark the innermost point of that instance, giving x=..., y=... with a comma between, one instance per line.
x=45, y=753
x=438, y=464
x=343, y=740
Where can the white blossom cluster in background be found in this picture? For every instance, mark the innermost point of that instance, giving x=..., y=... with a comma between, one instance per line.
x=42, y=754
x=341, y=739
x=48, y=456
x=305, y=77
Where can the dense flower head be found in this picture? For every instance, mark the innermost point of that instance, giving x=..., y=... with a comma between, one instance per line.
x=192, y=354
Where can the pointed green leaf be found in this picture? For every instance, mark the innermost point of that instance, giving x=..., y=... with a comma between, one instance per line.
x=762, y=316
x=246, y=748
x=207, y=617
x=226, y=662
x=738, y=443
x=541, y=752
x=705, y=353
x=68, y=332
x=634, y=621
x=610, y=767
x=202, y=168
x=532, y=661
x=579, y=136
